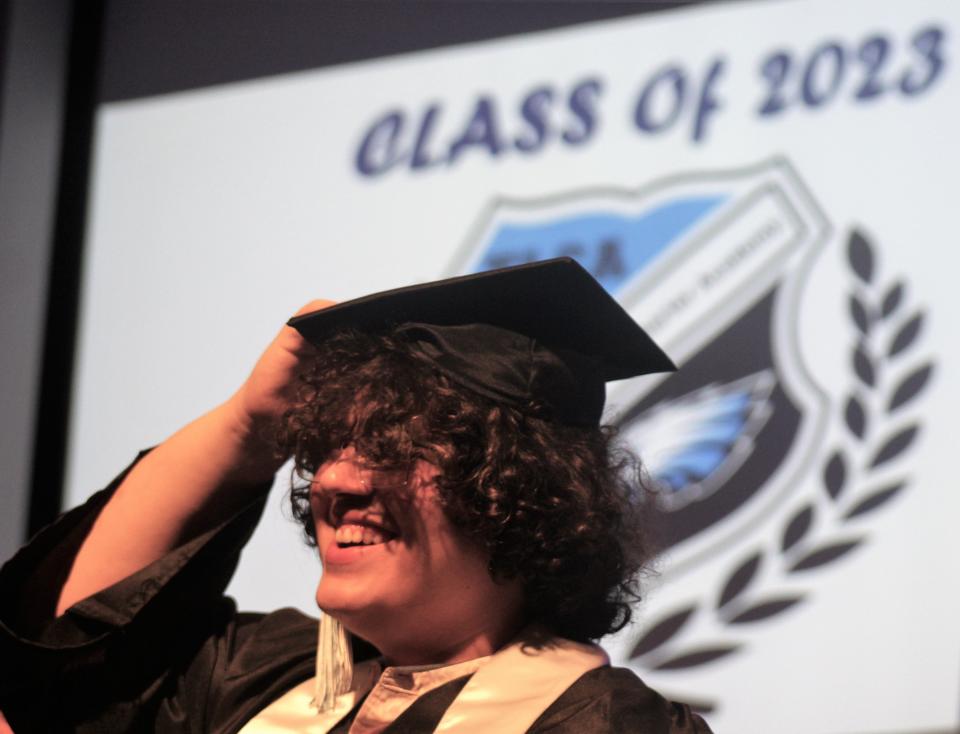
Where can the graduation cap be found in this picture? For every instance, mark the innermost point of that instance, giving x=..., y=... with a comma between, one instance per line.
x=542, y=333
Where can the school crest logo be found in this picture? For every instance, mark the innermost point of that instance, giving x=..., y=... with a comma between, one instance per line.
x=746, y=440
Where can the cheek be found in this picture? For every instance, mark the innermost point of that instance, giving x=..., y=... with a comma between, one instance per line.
x=318, y=513
x=457, y=558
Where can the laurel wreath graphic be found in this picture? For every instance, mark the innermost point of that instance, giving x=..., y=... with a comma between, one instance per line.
x=855, y=478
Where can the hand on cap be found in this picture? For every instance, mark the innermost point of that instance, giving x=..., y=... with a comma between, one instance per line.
x=271, y=387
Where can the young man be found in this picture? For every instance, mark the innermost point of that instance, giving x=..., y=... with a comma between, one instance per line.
x=476, y=527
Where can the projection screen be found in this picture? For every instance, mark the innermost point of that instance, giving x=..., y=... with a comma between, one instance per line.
x=766, y=187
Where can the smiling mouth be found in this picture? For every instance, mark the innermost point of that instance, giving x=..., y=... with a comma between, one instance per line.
x=351, y=534
x=360, y=520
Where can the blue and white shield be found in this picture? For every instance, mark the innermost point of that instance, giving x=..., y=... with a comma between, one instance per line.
x=712, y=265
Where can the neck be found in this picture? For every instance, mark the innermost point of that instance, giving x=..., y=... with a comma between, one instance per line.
x=441, y=646
x=455, y=652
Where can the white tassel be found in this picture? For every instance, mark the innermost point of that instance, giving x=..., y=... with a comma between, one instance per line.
x=334, y=674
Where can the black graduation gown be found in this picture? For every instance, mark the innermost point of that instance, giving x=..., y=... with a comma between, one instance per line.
x=164, y=651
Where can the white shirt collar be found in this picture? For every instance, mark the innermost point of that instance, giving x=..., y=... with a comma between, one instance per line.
x=399, y=686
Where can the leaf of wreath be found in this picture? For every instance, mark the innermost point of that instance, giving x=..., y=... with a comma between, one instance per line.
x=891, y=301
x=739, y=579
x=661, y=632
x=906, y=335
x=894, y=445
x=766, y=609
x=798, y=526
x=835, y=474
x=863, y=366
x=699, y=656
x=860, y=255
x=824, y=554
x=910, y=386
x=860, y=316
x=874, y=500
x=855, y=417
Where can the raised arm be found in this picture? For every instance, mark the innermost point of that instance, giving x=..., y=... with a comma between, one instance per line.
x=195, y=479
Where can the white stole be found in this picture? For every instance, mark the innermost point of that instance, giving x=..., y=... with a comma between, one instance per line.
x=506, y=695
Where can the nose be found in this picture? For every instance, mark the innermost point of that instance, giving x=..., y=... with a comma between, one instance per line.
x=343, y=474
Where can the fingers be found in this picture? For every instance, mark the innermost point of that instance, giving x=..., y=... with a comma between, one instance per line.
x=290, y=338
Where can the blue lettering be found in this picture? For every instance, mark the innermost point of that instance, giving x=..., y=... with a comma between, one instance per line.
x=582, y=102
x=707, y=104
x=535, y=111
x=675, y=81
x=421, y=158
x=481, y=131
x=378, y=151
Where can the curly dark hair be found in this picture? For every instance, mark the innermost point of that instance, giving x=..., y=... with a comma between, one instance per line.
x=559, y=507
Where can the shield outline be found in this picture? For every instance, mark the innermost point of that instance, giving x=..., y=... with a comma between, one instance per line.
x=775, y=176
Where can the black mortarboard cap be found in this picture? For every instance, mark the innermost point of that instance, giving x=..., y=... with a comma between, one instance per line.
x=542, y=333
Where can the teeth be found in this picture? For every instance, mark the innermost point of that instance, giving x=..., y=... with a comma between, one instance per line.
x=359, y=534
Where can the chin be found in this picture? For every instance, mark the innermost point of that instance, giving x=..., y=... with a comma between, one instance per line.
x=343, y=604
x=358, y=619
x=336, y=605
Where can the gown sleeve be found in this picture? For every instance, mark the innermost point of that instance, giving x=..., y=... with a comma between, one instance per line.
x=161, y=650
